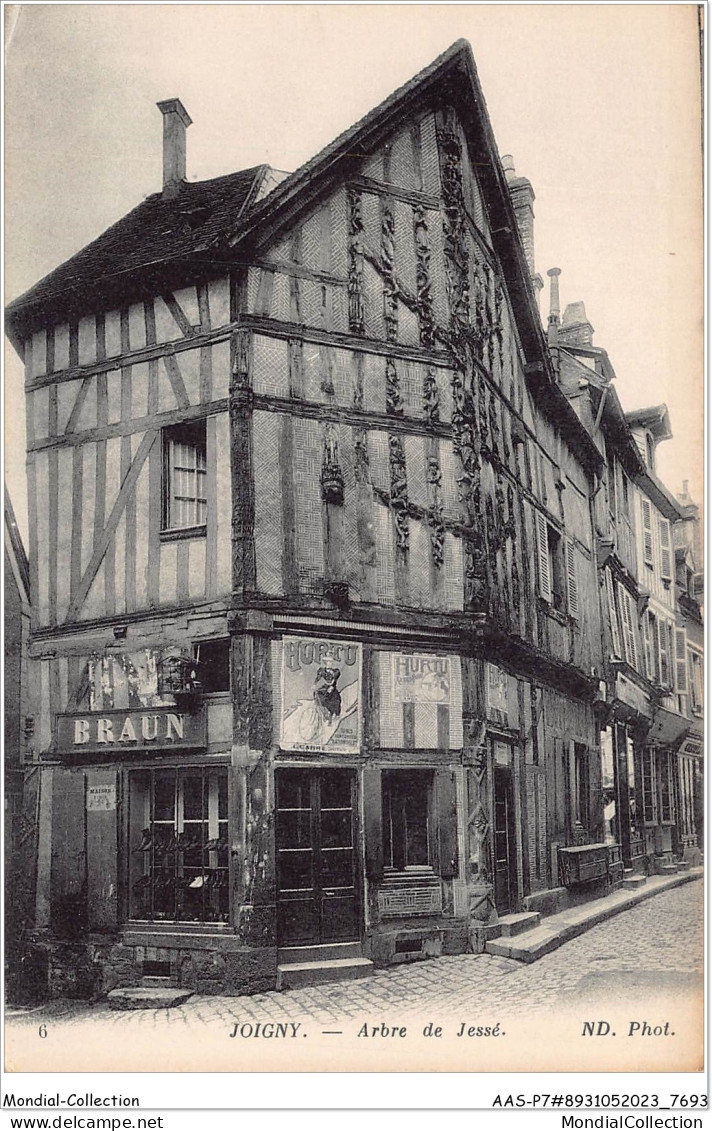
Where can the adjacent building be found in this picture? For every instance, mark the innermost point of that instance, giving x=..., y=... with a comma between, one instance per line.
x=317, y=612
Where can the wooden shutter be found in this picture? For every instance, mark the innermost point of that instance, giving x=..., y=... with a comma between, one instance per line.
x=648, y=646
x=446, y=809
x=681, y=661
x=628, y=618
x=665, y=676
x=665, y=550
x=571, y=584
x=647, y=517
x=373, y=822
x=69, y=851
x=613, y=614
x=102, y=850
x=542, y=544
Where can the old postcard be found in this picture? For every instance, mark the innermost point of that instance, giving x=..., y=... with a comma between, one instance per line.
x=353, y=542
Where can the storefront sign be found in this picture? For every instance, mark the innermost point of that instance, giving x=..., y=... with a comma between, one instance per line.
x=103, y=732
x=321, y=695
x=421, y=678
x=101, y=798
x=691, y=746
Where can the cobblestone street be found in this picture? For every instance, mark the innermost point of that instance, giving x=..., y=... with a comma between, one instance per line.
x=654, y=949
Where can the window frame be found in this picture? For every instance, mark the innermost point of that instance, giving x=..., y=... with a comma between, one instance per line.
x=164, y=863
x=192, y=434
x=427, y=777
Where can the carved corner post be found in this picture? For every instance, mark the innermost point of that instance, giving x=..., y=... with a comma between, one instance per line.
x=476, y=757
x=252, y=789
x=244, y=568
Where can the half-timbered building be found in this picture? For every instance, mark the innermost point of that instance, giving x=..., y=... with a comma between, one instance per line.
x=647, y=601
x=316, y=611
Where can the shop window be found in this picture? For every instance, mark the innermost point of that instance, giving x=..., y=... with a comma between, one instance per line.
x=667, y=807
x=178, y=845
x=213, y=657
x=184, y=476
x=407, y=820
x=650, y=787
x=608, y=787
x=581, y=784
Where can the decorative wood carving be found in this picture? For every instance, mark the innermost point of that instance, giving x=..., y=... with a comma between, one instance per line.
x=332, y=477
x=491, y=320
x=435, y=517
x=422, y=278
x=457, y=254
x=394, y=403
x=388, y=272
x=327, y=379
x=241, y=385
x=399, y=492
x=357, y=323
x=478, y=818
x=493, y=424
x=431, y=397
x=499, y=324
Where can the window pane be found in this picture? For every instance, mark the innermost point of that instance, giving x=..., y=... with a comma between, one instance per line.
x=178, y=860
x=295, y=869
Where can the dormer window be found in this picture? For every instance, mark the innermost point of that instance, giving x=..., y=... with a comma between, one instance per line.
x=650, y=451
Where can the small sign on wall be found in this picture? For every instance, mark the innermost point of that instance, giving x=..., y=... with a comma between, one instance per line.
x=101, y=798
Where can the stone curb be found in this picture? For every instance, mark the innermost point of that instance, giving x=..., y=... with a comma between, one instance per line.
x=552, y=937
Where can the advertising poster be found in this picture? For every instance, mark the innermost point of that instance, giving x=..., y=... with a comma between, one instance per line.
x=421, y=678
x=321, y=695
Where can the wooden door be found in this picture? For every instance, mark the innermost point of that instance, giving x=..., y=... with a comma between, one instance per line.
x=316, y=865
x=505, y=867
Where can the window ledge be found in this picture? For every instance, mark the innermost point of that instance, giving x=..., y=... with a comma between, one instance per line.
x=556, y=614
x=180, y=532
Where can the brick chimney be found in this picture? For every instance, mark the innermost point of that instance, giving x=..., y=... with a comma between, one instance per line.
x=554, y=306
x=175, y=122
x=575, y=328
x=522, y=195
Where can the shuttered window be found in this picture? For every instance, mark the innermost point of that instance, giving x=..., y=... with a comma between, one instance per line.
x=665, y=550
x=613, y=614
x=542, y=543
x=696, y=681
x=571, y=583
x=665, y=657
x=647, y=520
x=628, y=613
x=681, y=661
x=648, y=646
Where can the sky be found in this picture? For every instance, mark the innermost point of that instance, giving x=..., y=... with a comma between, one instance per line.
x=599, y=105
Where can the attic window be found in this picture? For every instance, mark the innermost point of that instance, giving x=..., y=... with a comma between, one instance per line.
x=650, y=451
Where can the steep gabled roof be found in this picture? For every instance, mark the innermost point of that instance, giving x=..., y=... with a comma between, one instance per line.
x=154, y=233
x=157, y=242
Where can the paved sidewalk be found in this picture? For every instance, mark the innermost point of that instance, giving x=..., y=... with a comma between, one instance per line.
x=554, y=930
